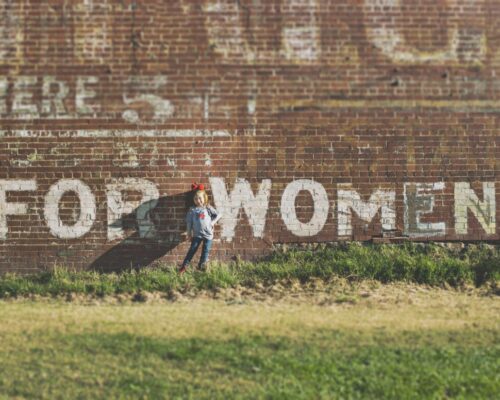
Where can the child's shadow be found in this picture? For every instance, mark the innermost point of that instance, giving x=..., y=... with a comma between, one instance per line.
x=156, y=228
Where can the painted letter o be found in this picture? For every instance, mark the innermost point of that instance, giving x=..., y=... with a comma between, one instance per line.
x=87, y=209
x=288, y=212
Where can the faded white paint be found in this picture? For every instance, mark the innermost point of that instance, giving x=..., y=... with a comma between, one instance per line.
x=349, y=199
x=4, y=85
x=127, y=156
x=241, y=196
x=22, y=102
x=321, y=207
x=251, y=105
x=389, y=39
x=301, y=42
x=87, y=209
x=8, y=208
x=142, y=91
x=117, y=206
x=84, y=93
x=208, y=160
x=484, y=211
x=27, y=104
x=92, y=21
x=206, y=107
x=171, y=162
x=53, y=103
x=419, y=200
x=228, y=34
x=102, y=133
x=11, y=30
x=224, y=27
x=162, y=108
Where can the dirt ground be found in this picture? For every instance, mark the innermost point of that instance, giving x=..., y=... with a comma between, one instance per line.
x=338, y=292
x=289, y=309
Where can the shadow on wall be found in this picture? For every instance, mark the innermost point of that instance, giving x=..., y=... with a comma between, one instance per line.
x=137, y=250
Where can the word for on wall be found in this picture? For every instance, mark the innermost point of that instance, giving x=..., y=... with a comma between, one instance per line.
x=419, y=201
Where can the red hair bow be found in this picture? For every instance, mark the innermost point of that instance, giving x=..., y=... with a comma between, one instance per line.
x=197, y=186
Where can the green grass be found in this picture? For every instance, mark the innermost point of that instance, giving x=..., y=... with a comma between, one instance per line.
x=441, y=344
x=328, y=365
x=426, y=264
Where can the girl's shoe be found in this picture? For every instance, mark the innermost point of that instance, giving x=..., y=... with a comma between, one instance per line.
x=182, y=269
x=202, y=267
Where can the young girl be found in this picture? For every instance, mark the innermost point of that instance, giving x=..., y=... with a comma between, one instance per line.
x=200, y=221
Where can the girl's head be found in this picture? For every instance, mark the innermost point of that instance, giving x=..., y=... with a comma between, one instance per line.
x=200, y=198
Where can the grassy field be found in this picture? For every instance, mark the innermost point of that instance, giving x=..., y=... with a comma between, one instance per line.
x=394, y=342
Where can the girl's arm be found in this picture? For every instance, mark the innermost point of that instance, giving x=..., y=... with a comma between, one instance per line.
x=218, y=215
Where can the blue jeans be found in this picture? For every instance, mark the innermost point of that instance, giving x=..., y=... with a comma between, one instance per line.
x=195, y=243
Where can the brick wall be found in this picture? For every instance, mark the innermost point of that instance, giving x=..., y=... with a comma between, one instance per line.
x=309, y=120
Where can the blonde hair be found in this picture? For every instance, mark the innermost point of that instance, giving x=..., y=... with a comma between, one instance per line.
x=203, y=194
